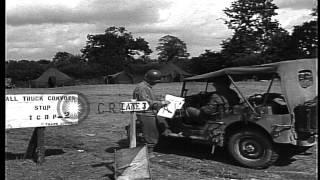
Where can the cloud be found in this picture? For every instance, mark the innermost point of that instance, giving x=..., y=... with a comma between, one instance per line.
x=43, y=41
x=290, y=18
x=296, y=4
x=98, y=11
x=37, y=29
x=56, y=27
x=197, y=23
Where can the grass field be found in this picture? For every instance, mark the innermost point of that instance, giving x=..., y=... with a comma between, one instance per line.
x=85, y=151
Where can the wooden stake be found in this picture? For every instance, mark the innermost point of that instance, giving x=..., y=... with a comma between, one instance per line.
x=36, y=149
x=133, y=141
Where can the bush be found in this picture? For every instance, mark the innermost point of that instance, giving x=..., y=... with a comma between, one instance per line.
x=82, y=70
x=24, y=70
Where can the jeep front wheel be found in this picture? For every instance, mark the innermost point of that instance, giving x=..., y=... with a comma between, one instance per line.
x=251, y=149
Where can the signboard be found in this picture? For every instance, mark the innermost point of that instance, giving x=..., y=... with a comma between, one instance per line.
x=131, y=163
x=132, y=107
x=41, y=110
x=135, y=106
x=169, y=110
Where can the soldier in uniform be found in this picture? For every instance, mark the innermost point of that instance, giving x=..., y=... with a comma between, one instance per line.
x=144, y=92
x=221, y=101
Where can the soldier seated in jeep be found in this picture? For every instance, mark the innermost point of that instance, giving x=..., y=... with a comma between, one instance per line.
x=220, y=101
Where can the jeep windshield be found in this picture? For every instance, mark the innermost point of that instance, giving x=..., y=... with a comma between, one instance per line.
x=193, y=87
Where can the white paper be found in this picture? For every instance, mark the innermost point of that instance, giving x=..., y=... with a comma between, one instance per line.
x=169, y=110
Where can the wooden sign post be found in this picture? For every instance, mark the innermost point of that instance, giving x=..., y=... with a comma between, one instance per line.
x=36, y=149
x=133, y=140
x=133, y=107
x=40, y=111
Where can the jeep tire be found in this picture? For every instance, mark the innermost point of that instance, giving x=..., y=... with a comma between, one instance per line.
x=251, y=149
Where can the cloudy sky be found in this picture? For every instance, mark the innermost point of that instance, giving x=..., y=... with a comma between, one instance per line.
x=37, y=29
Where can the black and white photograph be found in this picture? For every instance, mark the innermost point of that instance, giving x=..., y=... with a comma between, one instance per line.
x=161, y=89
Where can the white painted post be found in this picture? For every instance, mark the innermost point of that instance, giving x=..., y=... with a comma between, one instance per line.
x=133, y=142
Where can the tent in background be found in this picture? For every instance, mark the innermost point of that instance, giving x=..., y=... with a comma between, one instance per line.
x=52, y=77
x=121, y=77
x=134, y=73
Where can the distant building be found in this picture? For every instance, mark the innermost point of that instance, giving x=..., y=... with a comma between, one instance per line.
x=134, y=73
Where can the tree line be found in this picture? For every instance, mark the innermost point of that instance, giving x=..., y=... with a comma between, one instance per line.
x=257, y=38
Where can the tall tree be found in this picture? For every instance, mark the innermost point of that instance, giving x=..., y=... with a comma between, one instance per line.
x=23, y=70
x=305, y=36
x=114, y=48
x=281, y=47
x=207, y=62
x=61, y=59
x=171, y=48
x=253, y=27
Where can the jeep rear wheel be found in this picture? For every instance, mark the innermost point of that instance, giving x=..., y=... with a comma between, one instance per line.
x=251, y=149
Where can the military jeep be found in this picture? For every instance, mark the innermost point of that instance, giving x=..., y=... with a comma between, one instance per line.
x=284, y=113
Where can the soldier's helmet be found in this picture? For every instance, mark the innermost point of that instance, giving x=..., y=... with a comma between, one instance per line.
x=153, y=76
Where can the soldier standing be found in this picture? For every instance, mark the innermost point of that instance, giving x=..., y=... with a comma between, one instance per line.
x=144, y=92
